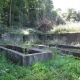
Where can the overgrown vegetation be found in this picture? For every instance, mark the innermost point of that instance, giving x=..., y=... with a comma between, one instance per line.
x=55, y=41
x=59, y=68
x=67, y=28
x=25, y=31
x=26, y=17
x=4, y=42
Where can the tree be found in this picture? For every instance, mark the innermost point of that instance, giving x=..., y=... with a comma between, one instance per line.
x=10, y=10
x=1, y=7
x=78, y=16
x=19, y=12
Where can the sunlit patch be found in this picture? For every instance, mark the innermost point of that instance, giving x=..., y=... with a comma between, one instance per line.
x=25, y=32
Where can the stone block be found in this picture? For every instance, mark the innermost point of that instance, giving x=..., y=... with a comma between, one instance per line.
x=35, y=55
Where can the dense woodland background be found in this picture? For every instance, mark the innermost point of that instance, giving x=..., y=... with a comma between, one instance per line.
x=34, y=14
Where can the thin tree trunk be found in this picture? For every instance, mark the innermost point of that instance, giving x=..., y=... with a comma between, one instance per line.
x=0, y=19
x=10, y=13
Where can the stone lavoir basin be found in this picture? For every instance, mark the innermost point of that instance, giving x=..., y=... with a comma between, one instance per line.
x=16, y=54
x=66, y=49
x=69, y=49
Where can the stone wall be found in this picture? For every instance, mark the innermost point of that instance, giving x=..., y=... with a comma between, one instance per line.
x=18, y=38
x=11, y=38
x=30, y=37
x=67, y=37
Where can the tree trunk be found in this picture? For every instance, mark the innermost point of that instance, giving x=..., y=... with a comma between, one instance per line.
x=10, y=13
x=0, y=19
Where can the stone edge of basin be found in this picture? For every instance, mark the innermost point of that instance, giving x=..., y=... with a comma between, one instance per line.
x=27, y=59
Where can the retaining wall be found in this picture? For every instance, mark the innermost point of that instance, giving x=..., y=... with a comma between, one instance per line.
x=67, y=37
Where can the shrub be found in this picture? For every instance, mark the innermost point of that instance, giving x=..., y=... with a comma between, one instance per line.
x=68, y=28
x=45, y=25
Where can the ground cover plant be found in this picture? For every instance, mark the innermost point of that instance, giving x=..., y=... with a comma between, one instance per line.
x=59, y=68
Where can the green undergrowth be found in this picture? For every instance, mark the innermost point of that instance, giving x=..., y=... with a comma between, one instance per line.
x=25, y=31
x=3, y=42
x=59, y=68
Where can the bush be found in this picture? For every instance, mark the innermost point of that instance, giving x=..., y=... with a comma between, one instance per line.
x=45, y=25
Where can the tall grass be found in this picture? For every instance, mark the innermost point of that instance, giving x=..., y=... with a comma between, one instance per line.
x=67, y=28
x=59, y=68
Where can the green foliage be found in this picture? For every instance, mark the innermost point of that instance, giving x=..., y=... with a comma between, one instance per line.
x=59, y=68
x=56, y=41
x=72, y=15
x=35, y=31
x=17, y=12
x=3, y=29
x=36, y=42
x=26, y=31
x=3, y=42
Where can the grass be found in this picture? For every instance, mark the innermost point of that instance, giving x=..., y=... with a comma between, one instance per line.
x=59, y=68
x=56, y=41
x=67, y=28
x=25, y=31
